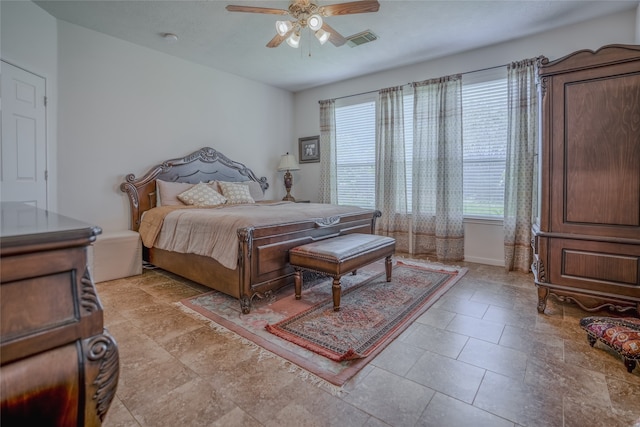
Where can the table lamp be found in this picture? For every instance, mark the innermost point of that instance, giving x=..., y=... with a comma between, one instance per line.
x=288, y=163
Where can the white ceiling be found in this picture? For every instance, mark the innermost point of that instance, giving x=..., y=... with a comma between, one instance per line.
x=408, y=32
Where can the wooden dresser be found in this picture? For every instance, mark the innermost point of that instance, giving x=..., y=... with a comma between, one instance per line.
x=586, y=237
x=59, y=367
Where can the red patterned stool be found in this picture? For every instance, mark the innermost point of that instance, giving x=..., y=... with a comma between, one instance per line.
x=620, y=334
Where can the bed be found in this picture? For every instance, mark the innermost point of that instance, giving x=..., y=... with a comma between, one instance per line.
x=261, y=249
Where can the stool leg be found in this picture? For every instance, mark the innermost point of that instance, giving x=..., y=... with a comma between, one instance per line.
x=297, y=283
x=336, y=289
x=630, y=364
x=387, y=267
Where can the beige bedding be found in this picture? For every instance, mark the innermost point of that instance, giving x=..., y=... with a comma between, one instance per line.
x=212, y=231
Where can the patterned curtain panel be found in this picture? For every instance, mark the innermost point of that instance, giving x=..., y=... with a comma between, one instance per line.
x=391, y=180
x=519, y=171
x=437, y=209
x=328, y=163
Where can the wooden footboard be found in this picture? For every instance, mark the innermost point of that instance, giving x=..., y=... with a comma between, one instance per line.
x=263, y=256
x=263, y=264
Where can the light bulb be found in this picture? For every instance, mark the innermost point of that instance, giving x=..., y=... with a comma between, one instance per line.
x=314, y=22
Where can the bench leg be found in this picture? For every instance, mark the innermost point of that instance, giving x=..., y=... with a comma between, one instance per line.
x=387, y=267
x=336, y=289
x=297, y=283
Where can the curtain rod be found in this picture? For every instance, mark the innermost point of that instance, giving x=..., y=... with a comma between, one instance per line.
x=406, y=84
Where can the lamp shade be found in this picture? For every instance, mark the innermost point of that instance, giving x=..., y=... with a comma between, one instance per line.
x=322, y=36
x=288, y=163
x=283, y=27
x=294, y=40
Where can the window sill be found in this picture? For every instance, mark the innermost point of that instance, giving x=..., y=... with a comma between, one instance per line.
x=483, y=220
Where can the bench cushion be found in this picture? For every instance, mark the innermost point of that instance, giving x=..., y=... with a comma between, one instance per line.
x=342, y=254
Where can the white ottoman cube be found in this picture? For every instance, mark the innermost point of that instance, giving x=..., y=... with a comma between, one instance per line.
x=116, y=254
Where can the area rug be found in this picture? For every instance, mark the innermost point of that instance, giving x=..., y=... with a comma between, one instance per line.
x=334, y=345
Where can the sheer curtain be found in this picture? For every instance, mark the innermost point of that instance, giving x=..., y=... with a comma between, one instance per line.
x=437, y=210
x=519, y=171
x=391, y=182
x=328, y=163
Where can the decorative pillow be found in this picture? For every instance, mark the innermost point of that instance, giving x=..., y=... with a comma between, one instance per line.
x=236, y=192
x=202, y=195
x=167, y=192
x=254, y=189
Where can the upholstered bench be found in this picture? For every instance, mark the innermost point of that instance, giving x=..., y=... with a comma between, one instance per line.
x=620, y=334
x=340, y=255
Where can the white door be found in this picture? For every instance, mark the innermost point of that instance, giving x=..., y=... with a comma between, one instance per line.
x=23, y=155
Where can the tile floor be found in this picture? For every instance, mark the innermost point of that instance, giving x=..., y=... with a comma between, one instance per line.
x=480, y=356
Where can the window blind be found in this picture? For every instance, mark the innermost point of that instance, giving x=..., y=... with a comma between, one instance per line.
x=355, y=154
x=485, y=119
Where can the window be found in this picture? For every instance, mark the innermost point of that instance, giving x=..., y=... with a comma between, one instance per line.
x=484, y=136
x=356, y=154
x=484, y=106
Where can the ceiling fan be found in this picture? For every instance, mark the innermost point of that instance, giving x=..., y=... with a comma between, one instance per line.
x=308, y=14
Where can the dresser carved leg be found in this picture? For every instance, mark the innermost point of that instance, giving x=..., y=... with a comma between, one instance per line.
x=102, y=373
x=543, y=294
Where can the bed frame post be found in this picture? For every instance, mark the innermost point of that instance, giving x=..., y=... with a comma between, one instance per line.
x=245, y=247
x=377, y=214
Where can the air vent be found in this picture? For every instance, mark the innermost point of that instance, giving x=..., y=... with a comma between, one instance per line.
x=361, y=38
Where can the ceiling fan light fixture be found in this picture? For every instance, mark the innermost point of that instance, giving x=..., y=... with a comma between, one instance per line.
x=283, y=27
x=322, y=36
x=294, y=40
x=314, y=22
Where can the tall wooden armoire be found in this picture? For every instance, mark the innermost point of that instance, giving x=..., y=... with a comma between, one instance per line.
x=586, y=234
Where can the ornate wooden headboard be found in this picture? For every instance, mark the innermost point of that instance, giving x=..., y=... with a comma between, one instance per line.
x=203, y=165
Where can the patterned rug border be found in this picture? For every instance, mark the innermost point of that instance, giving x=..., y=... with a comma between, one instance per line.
x=351, y=367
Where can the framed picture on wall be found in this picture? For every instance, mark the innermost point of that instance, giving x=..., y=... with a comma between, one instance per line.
x=309, y=149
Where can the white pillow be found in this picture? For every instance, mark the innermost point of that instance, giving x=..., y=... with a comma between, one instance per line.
x=236, y=192
x=202, y=195
x=256, y=190
x=167, y=192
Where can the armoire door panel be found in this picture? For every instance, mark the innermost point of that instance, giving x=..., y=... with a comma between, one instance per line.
x=595, y=153
x=596, y=266
x=602, y=169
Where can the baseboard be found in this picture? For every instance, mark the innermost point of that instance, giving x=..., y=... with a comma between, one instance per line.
x=487, y=261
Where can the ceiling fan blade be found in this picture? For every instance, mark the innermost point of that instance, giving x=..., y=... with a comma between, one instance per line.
x=278, y=39
x=253, y=9
x=362, y=6
x=334, y=37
